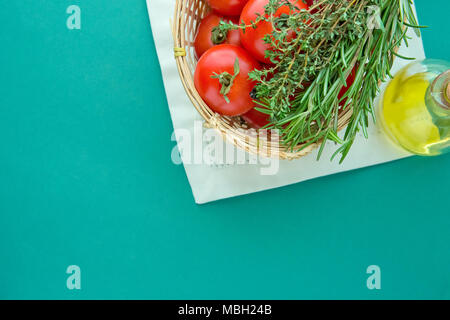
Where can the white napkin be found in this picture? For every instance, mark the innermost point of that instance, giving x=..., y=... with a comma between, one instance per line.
x=212, y=182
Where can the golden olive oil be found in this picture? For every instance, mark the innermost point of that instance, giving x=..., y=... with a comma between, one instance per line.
x=414, y=110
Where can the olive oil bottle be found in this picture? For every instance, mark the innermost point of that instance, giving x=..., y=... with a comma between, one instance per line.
x=415, y=108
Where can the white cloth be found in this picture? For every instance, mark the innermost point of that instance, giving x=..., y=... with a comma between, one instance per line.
x=210, y=183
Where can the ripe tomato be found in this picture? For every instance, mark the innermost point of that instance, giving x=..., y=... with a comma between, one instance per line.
x=310, y=2
x=228, y=7
x=208, y=34
x=252, y=38
x=256, y=119
x=221, y=79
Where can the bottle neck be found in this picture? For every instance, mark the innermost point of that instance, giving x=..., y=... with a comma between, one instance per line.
x=447, y=93
x=438, y=94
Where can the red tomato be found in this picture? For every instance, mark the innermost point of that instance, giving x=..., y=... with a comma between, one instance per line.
x=252, y=39
x=256, y=119
x=208, y=35
x=221, y=60
x=228, y=7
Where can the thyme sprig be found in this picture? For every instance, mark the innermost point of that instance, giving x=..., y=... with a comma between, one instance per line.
x=313, y=53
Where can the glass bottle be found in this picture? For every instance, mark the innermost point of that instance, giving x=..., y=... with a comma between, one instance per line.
x=415, y=108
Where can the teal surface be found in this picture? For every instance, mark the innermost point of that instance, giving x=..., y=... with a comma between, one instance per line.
x=86, y=179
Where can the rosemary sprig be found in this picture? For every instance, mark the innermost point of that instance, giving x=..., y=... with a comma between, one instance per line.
x=301, y=90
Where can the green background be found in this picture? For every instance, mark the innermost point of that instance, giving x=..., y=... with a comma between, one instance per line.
x=86, y=178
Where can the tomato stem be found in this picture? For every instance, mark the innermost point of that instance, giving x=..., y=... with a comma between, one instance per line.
x=218, y=35
x=227, y=80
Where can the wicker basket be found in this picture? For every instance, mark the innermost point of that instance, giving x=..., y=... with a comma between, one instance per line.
x=188, y=14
